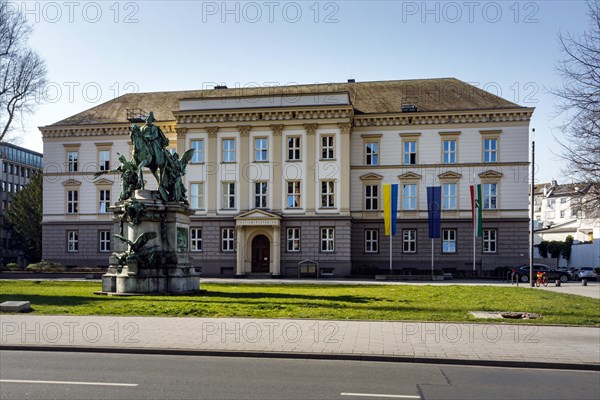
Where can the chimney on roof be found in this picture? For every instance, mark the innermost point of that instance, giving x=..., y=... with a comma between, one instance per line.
x=351, y=80
x=218, y=87
x=554, y=183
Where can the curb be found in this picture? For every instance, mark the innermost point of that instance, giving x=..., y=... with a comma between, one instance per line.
x=310, y=356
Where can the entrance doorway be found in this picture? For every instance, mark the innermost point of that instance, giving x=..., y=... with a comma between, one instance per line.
x=261, y=250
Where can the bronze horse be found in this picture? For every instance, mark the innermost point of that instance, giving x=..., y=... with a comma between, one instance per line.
x=147, y=154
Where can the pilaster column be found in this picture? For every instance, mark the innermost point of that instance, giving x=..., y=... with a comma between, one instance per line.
x=181, y=135
x=311, y=167
x=212, y=169
x=344, y=163
x=243, y=166
x=276, y=246
x=240, y=245
x=277, y=168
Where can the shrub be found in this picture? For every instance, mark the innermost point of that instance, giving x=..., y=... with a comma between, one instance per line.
x=13, y=267
x=45, y=266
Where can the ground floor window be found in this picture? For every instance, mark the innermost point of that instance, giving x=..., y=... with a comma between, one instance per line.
x=196, y=239
x=489, y=240
x=371, y=241
x=449, y=240
x=409, y=241
x=293, y=239
x=327, y=239
x=104, y=240
x=227, y=239
x=72, y=241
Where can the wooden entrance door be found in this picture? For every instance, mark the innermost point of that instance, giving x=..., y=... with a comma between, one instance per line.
x=261, y=251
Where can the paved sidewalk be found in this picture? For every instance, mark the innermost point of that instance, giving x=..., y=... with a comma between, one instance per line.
x=477, y=344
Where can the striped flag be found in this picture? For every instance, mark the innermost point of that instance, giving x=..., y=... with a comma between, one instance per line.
x=476, y=209
x=390, y=207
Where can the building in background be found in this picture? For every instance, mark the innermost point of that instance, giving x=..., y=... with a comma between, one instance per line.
x=18, y=165
x=292, y=175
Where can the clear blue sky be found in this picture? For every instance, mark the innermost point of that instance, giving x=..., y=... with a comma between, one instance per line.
x=97, y=50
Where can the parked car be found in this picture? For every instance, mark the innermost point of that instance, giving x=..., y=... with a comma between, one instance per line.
x=522, y=273
x=587, y=273
x=572, y=271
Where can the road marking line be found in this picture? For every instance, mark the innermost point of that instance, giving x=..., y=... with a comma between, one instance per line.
x=395, y=396
x=69, y=383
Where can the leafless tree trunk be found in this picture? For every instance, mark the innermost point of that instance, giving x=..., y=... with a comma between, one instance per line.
x=22, y=71
x=580, y=105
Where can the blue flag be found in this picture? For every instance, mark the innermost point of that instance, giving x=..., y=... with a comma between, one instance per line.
x=434, y=213
x=390, y=207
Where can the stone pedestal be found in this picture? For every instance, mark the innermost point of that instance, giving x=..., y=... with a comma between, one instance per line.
x=172, y=271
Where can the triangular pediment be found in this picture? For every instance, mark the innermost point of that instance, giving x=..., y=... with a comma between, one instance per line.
x=371, y=177
x=412, y=176
x=490, y=174
x=449, y=175
x=257, y=214
x=103, y=181
x=71, y=182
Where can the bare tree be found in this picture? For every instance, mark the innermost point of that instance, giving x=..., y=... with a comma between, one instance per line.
x=22, y=71
x=580, y=105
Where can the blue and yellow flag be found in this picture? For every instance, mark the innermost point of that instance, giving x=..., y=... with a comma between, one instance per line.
x=390, y=207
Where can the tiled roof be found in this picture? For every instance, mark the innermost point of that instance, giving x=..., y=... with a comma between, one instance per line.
x=443, y=94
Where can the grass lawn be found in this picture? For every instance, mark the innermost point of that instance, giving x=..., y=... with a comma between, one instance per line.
x=399, y=302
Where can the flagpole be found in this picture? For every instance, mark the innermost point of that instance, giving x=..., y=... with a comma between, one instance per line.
x=390, y=250
x=432, y=256
x=474, y=220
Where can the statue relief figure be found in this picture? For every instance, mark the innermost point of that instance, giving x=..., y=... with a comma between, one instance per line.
x=172, y=177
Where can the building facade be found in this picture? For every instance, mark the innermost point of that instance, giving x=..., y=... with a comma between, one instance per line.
x=18, y=165
x=289, y=175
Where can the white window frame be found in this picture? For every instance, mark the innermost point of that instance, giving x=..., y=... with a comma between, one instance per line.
x=448, y=240
x=449, y=149
x=409, y=241
x=228, y=196
x=261, y=149
x=409, y=201
x=104, y=201
x=371, y=240
x=372, y=153
x=490, y=197
x=228, y=240
x=409, y=152
x=327, y=240
x=294, y=148
x=72, y=201
x=261, y=190
x=73, y=160
x=104, y=159
x=196, y=239
x=72, y=241
x=449, y=196
x=490, y=150
x=197, y=195
x=293, y=240
x=372, y=199
x=294, y=194
x=104, y=238
x=198, y=146
x=327, y=147
x=327, y=194
x=228, y=150
x=490, y=241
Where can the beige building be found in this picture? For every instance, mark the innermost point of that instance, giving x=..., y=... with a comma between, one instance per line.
x=284, y=175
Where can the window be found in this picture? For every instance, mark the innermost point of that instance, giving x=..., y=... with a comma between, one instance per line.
x=11, y=169
x=372, y=153
x=327, y=149
x=260, y=194
x=449, y=196
x=228, y=195
x=228, y=150
x=72, y=158
x=293, y=239
x=449, y=151
x=409, y=196
x=196, y=239
x=3, y=186
x=197, y=196
x=489, y=196
x=409, y=241
x=490, y=147
x=327, y=194
x=372, y=197
x=293, y=194
x=72, y=201
x=371, y=241
x=104, y=201
x=293, y=147
x=4, y=167
x=10, y=187
x=327, y=239
x=104, y=240
x=104, y=158
x=489, y=240
x=260, y=149
x=198, y=146
x=72, y=241
x=227, y=239
x=410, y=153
x=17, y=170
x=448, y=240
x=562, y=213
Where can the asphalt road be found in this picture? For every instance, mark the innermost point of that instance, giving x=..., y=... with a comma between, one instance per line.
x=56, y=375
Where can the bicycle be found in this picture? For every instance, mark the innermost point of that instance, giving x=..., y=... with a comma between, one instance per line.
x=542, y=279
